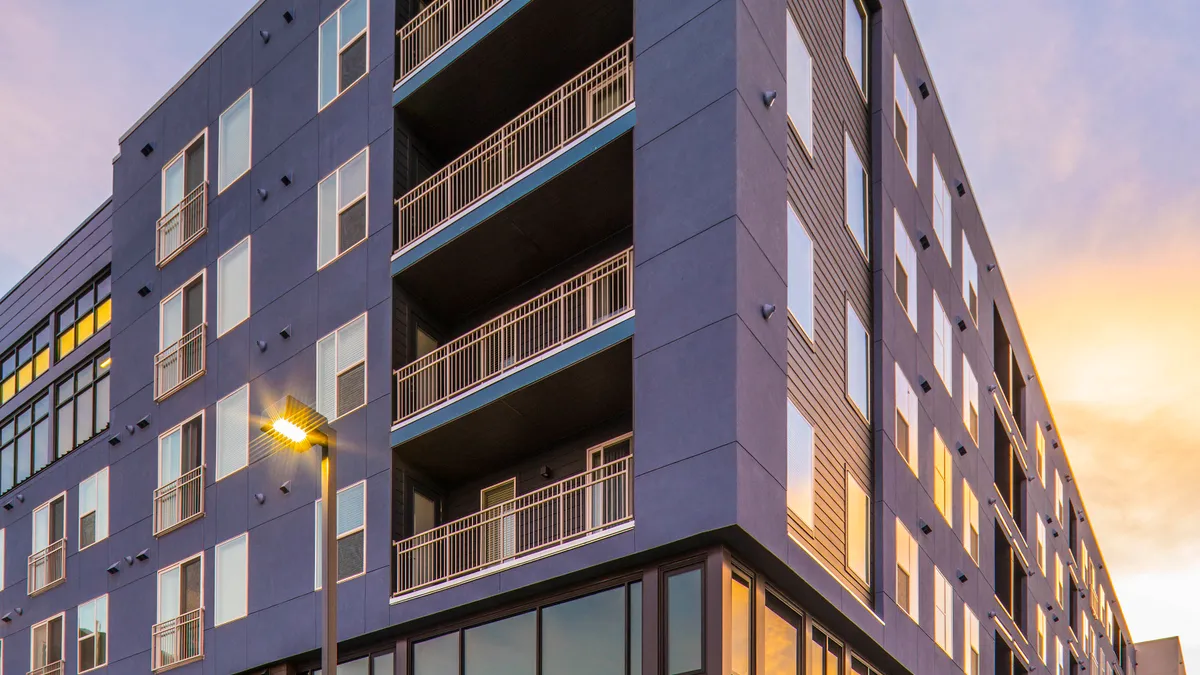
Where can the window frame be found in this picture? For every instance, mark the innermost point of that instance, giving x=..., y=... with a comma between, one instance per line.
x=245, y=589
x=202, y=275
x=861, y=83
x=849, y=481
x=911, y=565
x=863, y=245
x=906, y=108
x=58, y=330
x=943, y=478
x=336, y=335
x=945, y=611
x=336, y=16
x=807, y=519
x=809, y=81
x=318, y=576
x=943, y=343
x=970, y=281
x=971, y=520
x=908, y=407
x=906, y=258
x=201, y=414
x=158, y=587
x=33, y=524
x=971, y=642
x=943, y=211
x=100, y=506
x=94, y=636
x=336, y=176
x=864, y=411
x=249, y=267
x=217, y=471
x=809, y=330
x=94, y=361
x=27, y=415
x=249, y=95
x=30, y=339
x=970, y=400
x=163, y=208
x=62, y=647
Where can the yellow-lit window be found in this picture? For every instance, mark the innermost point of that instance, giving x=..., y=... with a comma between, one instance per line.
x=66, y=343
x=104, y=313
x=8, y=389
x=85, y=327
x=24, y=375
x=41, y=362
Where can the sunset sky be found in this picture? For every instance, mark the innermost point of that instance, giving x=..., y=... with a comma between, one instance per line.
x=1078, y=125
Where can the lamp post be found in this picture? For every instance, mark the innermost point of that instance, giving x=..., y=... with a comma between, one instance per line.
x=299, y=427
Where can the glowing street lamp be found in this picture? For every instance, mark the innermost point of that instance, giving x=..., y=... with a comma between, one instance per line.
x=293, y=425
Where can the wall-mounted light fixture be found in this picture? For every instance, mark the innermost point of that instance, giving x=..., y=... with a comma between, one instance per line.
x=286, y=179
x=114, y=568
x=962, y=324
x=288, y=16
x=265, y=35
x=924, y=89
x=962, y=576
x=260, y=498
x=144, y=422
x=262, y=345
x=962, y=450
x=991, y=266
x=924, y=240
x=144, y=290
x=925, y=386
x=546, y=472
x=286, y=332
x=147, y=149
x=962, y=190
x=924, y=526
x=768, y=310
x=143, y=554
x=262, y=193
x=286, y=487
x=769, y=97
x=114, y=439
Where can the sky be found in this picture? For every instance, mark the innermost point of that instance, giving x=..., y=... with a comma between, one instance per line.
x=1077, y=122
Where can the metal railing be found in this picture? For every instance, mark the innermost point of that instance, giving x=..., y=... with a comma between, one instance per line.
x=183, y=224
x=589, y=502
x=178, y=641
x=555, y=121
x=179, y=502
x=547, y=321
x=433, y=28
x=180, y=363
x=55, y=668
x=47, y=567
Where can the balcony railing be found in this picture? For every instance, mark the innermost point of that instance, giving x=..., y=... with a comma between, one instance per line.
x=435, y=27
x=183, y=224
x=47, y=567
x=565, y=115
x=55, y=668
x=178, y=641
x=547, y=321
x=177, y=365
x=570, y=509
x=179, y=502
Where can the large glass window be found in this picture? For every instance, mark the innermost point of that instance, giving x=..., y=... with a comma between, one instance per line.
x=856, y=42
x=943, y=612
x=943, y=478
x=25, y=362
x=905, y=120
x=233, y=141
x=784, y=631
x=824, y=654
x=231, y=581
x=858, y=529
x=93, y=509
x=907, y=571
x=942, y=211
x=342, y=369
x=685, y=623
x=970, y=400
x=970, y=642
x=858, y=363
x=25, y=443
x=907, y=415
x=46, y=643
x=504, y=647
x=343, y=50
x=970, y=521
x=93, y=633
x=857, y=206
x=585, y=636
x=799, y=84
x=233, y=287
x=82, y=404
x=970, y=282
x=943, y=343
x=801, y=275
x=800, y=466
x=342, y=209
x=741, y=638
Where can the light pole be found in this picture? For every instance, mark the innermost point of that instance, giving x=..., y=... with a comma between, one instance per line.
x=298, y=427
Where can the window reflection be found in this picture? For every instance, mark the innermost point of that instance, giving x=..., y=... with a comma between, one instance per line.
x=782, y=641
x=684, y=624
x=505, y=647
x=585, y=636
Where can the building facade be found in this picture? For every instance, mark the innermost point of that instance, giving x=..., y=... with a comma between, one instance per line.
x=659, y=336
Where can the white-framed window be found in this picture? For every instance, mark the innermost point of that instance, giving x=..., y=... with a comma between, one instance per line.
x=857, y=205
x=970, y=642
x=343, y=50
x=181, y=589
x=1040, y=446
x=1041, y=633
x=1041, y=543
x=1060, y=657
x=181, y=312
x=800, y=466
x=970, y=283
x=46, y=642
x=905, y=119
x=801, y=273
x=799, y=85
x=1059, y=499
x=858, y=363
x=342, y=369
x=970, y=400
x=180, y=496
x=858, y=529
x=342, y=209
x=943, y=210
x=905, y=270
x=93, y=508
x=1060, y=575
x=234, y=137
x=943, y=343
x=185, y=172
x=907, y=415
x=943, y=612
x=232, y=559
x=92, y=621
x=907, y=572
x=856, y=42
x=351, y=533
x=970, y=521
x=943, y=478
x=233, y=431
x=49, y=523
x=233, y=287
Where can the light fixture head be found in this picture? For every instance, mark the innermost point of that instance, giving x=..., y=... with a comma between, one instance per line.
x=924, y=526
x=286, y=332
x=114, y=568
x=546, y=472
x=962, y=189
x=925, y=386
x=262, y=193
x=286, y=179
x=143, y=554
x=144, y=422
x=962, y=450
x=265, y=35
x=924, y=89
x=1067, y=478
x=114, y=439
x=289, y=430
x=768, y=310
x=286, y=487
x=144, y=290
x=1049, y=426
x=769, y=97
x=962, y=576
x=7, y=617
x=147, y=149
x=288, y=16
x=962, y=324
x=294, y=424
x=991, y=266
x=991, y=388
x=924, y=240
x=8, y=506
x=260, y=497
x=262, y=345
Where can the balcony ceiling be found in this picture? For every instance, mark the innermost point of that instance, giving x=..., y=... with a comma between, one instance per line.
x=535, y=51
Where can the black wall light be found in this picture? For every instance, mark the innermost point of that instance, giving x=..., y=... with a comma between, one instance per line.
x=962, y=576
x=144, y=290
x=288, y=16
x=962, y=189
x=925, y=386
x=286, y=332
x=924, y=526
x=769, y=97
x=962, y=324
x=962, y=450
x=114, y=439
x=144, y=422
x=147, y=149
x=924, y=89
x=286, y=179
x=924, y=242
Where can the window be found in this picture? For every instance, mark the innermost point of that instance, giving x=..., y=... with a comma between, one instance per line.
x=907, y=571
x=233, y=141
x=82, y=404
x=1059, y=495
x=342, y=369
x=799, y=85
x=585, y=635
x=857, y=206
x=943, y=478
x=858, y=529
x=343, y=50
x=970, y=521
x=92, y=619
x=25, y=443
x=229, y=595
x=824, y=654
x=800, y=466
x=970, y=642
x=233, y=287
x=180, y=494
x=1060, y=658
x=905, y=119
x=1040, y=445
x=342, y=209
x=800, y=281
x=970, y=401
x=943, y=612
x=906, y=420
x=47, y=562
x=93, y=509
x=351, y=533
x=685, y=625
x=1060, y=575
x=783, y=635
x=856, y=42
x=942, y=211
x=85, y=314
x=3, y=583
x=858, y=363
x=181, y=313
x=906, y=270
x=46, y=643
x=1041, y=633
x=741, y=640
x=1041, y=544
x=233, y=431
x=970, y=285
x=25, y=362
x=180, y=599
x=943, y=343
x=181, y=177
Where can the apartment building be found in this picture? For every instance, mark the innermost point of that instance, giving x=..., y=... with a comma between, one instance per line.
x=658, y=336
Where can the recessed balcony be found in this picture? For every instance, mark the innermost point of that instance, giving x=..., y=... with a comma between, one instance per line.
x=186, y=222
x=47, y=568
x=179, y=502
x=178, y=641
x=180, y=363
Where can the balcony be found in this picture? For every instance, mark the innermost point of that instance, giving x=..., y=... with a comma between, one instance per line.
x=55, y=668
x=552, y=128
x=178, y=641
x=435, y=27
x=179, y=364
x=179, y=502
x=47, y=568
x=573, y=511
x=182, y=225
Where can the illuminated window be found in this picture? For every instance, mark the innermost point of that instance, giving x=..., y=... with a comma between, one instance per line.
x=343, y=53
x=858, y=529
x=85, y=315
x=970, y=521
x=970, y=642
x=943, y=612
x=800, y=474
x=1040, y=444
x=25, y=362
x=1041, y=633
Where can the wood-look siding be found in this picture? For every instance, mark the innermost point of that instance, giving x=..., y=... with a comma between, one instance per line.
x=817, y=368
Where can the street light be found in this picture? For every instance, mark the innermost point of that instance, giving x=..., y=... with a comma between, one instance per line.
x=293, y=425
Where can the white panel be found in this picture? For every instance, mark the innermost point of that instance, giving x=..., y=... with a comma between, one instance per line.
x=327, y=376
x=231, y=583
x=351, y=511
x=233, y=431
x=233, y=286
